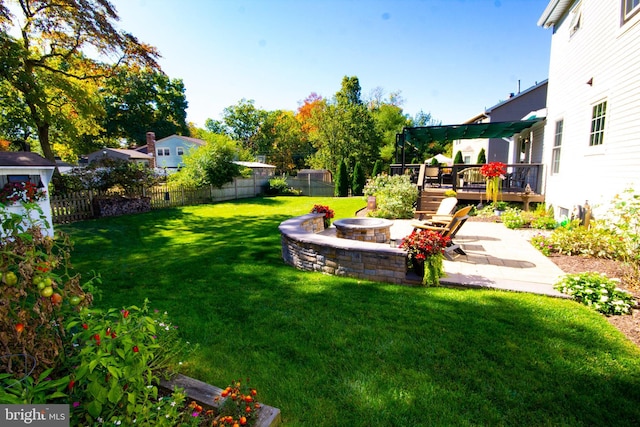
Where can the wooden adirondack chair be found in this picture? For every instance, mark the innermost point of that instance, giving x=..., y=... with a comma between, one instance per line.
x=449, y=229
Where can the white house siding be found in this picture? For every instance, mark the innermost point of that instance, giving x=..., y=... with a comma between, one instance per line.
x=608, y=53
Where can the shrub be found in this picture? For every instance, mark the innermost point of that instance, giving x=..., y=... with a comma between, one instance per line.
x=544, y=223
x=359, y=180
x=595, y=241
x=597, y=291
x=514, y=218
x=279, y=186
x=395, y=196
x=482, y=157
x=450, y=193
x=342, y=181
x=458, y=159
x=377, y=168
x=110, y=173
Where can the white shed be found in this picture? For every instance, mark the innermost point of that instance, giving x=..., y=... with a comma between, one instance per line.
x=19, y=168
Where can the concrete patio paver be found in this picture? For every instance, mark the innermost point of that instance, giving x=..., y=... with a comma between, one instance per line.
x=496, y=258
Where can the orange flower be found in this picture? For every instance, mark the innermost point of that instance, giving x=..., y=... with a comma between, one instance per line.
x=19, y=328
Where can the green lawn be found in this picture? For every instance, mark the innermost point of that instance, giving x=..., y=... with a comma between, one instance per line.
x=332, y=351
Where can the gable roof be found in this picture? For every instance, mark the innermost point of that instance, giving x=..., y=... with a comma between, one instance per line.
x=133, y=154
x=24, y=159
x=518, y=95
x=185, y=138
x=554, y=11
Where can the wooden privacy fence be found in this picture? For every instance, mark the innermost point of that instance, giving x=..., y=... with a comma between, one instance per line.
x=78, y=206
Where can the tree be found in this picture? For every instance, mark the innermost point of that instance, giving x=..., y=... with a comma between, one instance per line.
x=282, y=139
x=140, y=100
x=216, y=126
x=342, y=181
x=244, y=121
x=345, y=131
x=377, y=168
x=48, y=66
x=458, y=159
x=211, y=164
x=359, y=180
x=482, y=157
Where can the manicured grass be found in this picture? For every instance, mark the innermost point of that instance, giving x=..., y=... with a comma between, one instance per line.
x=332, y=351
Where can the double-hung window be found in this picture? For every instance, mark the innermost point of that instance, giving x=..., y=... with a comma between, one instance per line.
x=179, y=151
x=629, y=8
x=163, y=152
x=557, y=144
x=598, y=116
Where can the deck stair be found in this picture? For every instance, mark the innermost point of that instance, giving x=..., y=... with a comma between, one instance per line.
x=429, y=199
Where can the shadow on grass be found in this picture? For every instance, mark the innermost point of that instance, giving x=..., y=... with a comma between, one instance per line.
x=332, y=351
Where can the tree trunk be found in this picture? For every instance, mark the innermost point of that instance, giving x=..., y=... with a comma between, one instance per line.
x=43, y=137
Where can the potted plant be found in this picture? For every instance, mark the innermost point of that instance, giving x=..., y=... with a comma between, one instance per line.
x=494, y=173
x=425, y=253
x=328, y=213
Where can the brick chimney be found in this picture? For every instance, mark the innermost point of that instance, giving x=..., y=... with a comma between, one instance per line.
x=151, y=148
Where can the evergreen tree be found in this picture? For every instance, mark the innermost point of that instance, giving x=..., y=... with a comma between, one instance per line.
x=377, y=168
x=342, y=181
x=482, y=157
x=359, y=180
x=458, y=158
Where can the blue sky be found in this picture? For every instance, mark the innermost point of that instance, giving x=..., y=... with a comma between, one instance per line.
x=450, y=58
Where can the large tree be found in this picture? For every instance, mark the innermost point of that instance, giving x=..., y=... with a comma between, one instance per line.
x=45, y=49
x=140, y=100
x=243, y=121
x=345, y=130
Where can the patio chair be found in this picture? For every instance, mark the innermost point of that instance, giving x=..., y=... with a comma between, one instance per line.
x=443, y=213
x=432, y=176
x=449, y=229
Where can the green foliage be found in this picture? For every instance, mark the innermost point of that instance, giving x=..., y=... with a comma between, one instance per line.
x=243, y=122
x=458, y=159
x=140, y=100
x=544, y=222
x=395, y=196
x=342, y=181
x=514, y=218
x=482, y=157
x=597, y=291
x=120, y=355
x=359, y=180
x=377, y=168
x=28, y=390
x=278, y=185
x=109, y=173
x=211, y=164
x=594, y=241
x=434, y=162
x=623, y=220
x=38, y=290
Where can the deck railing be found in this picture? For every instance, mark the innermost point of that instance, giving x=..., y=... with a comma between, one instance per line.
x=467, y=177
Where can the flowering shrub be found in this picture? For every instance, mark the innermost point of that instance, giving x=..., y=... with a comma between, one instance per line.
x=594, y=241
x=328, y=213
x=426, y=247
x=395, y=195
x=597, y=291
x=16, y=192
x=238, y=405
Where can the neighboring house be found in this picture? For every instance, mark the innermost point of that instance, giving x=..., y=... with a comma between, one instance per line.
x=168, y=153
x=21, y=167
x=525, y=147
x=122, y=154
x=593, y=131
x=470, y=148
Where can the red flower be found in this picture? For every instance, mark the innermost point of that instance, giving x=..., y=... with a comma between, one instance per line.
x=328, y=212
x=71, y=384
x=85, y=326
x=135, y=349
x=493, y=170
x=125, y=313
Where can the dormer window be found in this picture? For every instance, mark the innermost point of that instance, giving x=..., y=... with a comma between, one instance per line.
x=576, y=19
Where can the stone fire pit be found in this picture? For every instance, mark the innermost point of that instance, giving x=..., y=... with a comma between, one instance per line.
x=376, y=230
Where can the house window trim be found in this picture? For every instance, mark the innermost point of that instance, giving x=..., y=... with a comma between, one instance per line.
x=576, y=19
x=598, y=121
x=179, y=151
x=556, y=150
x=163, y=152
x=627, y=15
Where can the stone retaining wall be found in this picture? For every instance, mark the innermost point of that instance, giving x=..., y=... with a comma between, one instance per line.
x=305, y=249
